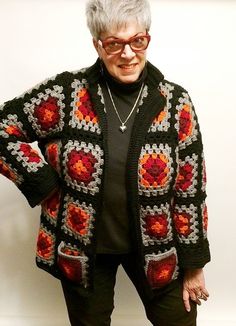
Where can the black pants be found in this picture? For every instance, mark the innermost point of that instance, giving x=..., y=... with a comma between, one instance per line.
x=166, y=309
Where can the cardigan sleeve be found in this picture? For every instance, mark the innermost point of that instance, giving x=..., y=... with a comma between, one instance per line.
x=36, y=115
x=190, y=210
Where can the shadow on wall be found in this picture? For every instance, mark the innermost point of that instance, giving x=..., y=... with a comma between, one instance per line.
x=25, y=290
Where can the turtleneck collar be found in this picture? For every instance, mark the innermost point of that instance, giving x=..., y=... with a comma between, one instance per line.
x=117, y=86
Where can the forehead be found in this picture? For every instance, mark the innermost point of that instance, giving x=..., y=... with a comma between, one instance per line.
x=124, y=31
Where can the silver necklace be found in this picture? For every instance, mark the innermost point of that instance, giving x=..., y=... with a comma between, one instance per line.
x=123, y=126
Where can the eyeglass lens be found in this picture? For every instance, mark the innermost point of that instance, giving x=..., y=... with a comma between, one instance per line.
x=117, y=46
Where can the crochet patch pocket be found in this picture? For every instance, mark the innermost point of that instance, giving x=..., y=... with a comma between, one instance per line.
x=72, y=263
x=161, y=268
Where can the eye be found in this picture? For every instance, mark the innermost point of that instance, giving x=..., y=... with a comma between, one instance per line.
x=114, y=45
x=139, y=41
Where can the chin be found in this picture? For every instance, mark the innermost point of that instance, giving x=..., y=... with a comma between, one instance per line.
x=128, y=78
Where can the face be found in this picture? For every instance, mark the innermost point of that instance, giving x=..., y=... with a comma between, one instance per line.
x=126, y=66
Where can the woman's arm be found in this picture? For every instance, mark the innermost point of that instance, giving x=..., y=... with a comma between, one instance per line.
x=35, y=115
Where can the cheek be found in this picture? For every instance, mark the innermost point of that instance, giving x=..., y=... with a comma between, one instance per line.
x=142, y=61
x=142, y=57
x=110, y=63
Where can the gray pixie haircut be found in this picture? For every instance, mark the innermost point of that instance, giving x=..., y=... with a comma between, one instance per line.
x=103, y=15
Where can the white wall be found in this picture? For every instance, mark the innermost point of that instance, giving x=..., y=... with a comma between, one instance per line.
x=193, y=44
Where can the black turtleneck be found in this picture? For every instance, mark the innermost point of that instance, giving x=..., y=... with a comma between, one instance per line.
x=114, y=227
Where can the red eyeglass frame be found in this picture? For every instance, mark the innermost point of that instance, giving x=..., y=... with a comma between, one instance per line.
x=125, y=42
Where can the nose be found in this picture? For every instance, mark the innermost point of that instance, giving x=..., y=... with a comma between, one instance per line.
x=128, y=52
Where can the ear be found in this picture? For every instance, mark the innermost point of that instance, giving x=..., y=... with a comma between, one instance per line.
x=97, y=48
x=95, y=44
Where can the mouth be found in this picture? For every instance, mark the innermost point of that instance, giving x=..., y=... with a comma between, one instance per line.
x=128, y=67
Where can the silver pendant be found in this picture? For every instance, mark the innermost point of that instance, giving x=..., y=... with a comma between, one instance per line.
x=123, y=128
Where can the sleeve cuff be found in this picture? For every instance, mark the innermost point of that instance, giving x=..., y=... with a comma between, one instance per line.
x=36, y=192
x=194, y=257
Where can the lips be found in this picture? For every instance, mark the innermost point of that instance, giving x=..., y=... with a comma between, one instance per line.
x=128, y=66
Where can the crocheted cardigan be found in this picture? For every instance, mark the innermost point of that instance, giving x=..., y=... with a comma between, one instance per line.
x=166, y=176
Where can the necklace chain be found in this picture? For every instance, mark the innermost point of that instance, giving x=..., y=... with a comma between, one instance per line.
x=123, y=126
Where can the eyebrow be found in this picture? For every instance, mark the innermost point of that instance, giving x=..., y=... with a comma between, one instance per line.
x=118, y=38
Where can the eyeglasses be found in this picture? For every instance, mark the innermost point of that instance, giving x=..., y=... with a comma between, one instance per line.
x=116, y=46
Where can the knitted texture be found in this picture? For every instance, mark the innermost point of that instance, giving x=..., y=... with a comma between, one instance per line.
x=166, y=176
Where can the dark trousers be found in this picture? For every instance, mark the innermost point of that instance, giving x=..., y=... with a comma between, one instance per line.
x=165, y=309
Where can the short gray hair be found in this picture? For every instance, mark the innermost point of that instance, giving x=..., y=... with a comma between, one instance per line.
x=105, y=14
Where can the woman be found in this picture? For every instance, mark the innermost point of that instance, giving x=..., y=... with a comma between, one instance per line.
x=122, y=178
